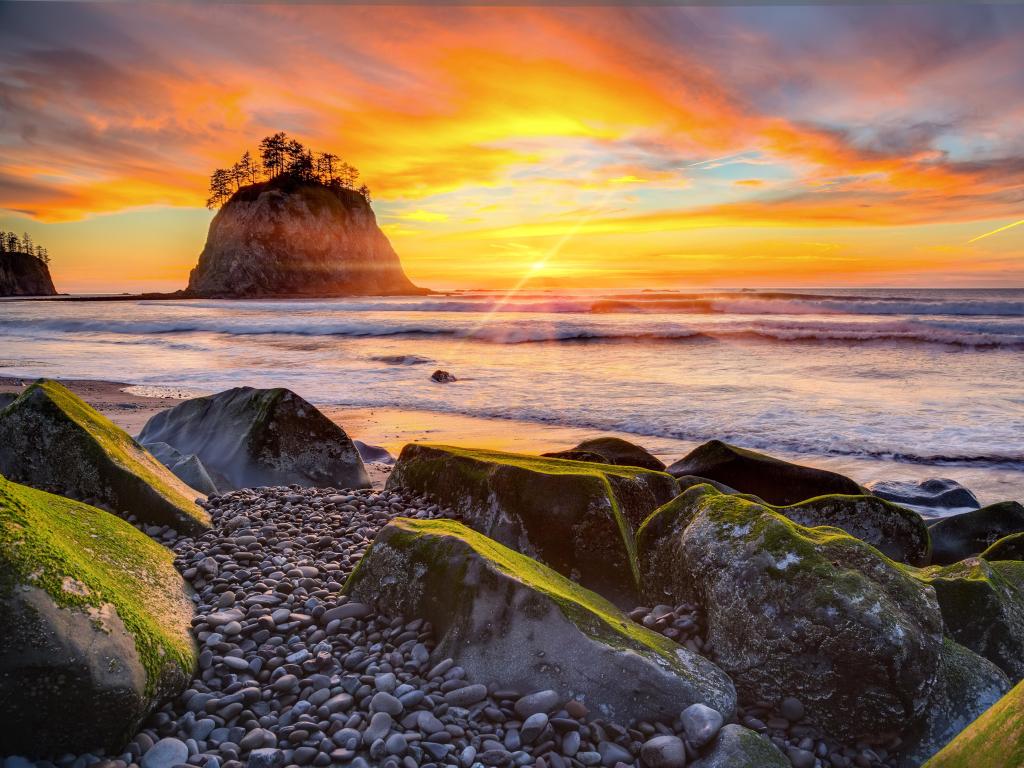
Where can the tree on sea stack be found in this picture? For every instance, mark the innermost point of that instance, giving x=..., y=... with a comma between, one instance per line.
x=294, y=223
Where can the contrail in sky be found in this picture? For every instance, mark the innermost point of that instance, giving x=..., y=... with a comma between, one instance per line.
x=994, y=231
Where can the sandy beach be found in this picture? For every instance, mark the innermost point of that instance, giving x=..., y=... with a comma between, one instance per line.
x=131, y=406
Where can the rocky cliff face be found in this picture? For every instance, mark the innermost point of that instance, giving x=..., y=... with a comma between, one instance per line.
x=24, y=275
x=288, y=238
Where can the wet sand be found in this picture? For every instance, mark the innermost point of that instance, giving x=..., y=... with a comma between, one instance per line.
x=130, y=406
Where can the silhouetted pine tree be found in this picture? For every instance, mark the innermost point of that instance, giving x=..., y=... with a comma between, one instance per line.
x=283, y=156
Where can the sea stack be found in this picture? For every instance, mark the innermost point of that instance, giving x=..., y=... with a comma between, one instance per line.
x=296, y=238
x=22, y=274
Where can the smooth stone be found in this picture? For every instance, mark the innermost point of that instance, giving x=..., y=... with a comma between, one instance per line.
x=792, y=709
x=467, y=696
x=166, y=753
x=385, y=702
x=664, y=752
x=533, y=726
x=701, y=723
x=379, y=726
x=396, y=744
x=257, y=738
x=532, y=703
x=346, y=611
x=612, y=754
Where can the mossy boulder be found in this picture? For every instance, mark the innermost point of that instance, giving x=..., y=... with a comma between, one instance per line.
x=248, y=437
x=1007, y=548
x=994, y=740
x=96, y=626
x=967, y=685
x=794, y=611
x=739, y=747
x=774, y=480
x=898, y=533
x=513, y=621
x=971, y=533
x=611, y=450
x=576, y=517
x=52, y=440
x=982, y=605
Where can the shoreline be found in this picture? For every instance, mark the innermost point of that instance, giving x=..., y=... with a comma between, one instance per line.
x=391, y=427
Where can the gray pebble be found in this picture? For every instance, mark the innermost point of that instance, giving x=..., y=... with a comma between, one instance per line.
x=166, y=753
x=664, y=752
x=701, y=723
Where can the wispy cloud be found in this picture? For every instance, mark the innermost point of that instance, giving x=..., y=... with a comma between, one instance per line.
x=494, y=123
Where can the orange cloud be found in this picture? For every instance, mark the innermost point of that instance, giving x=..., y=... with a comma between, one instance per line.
x=487, y=125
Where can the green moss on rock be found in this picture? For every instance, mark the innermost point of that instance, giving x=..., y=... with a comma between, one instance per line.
x=739, y=747
x=510, y=619
x=797, y=611
x=577, y=517
x=51, y=439
x=982, y=605
x=1007, y=548
x=74, y=579
x=994, y=740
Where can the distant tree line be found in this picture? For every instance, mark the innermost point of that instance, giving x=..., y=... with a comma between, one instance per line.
x=281, y=156
x=11, y=243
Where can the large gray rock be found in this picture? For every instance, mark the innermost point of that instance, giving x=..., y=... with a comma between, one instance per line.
x=966, y=687
x=577, y=517
x=248, y=437
x=96, y=626
x=52, y=440
x=811, y=613
x=982, y=605
x=739, y=747
x=971, y=533
x=774, y=480
x=512, y=621
x=292, y=238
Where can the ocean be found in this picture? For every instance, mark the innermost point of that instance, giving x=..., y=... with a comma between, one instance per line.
x=928, y=382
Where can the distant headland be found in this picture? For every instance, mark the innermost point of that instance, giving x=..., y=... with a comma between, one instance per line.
x=24, y=267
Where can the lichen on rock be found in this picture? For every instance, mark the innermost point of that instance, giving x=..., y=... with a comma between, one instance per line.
x=982, y=605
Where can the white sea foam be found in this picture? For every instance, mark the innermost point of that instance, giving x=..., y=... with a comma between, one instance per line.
x=922, y=377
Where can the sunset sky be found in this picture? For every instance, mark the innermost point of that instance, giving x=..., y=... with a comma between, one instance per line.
x=585, y=147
